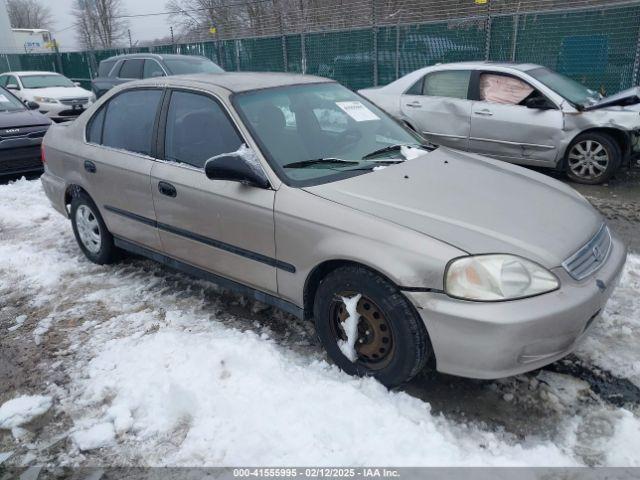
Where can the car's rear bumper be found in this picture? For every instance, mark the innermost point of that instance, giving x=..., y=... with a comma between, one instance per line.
x=55, y=188
x=494, y=340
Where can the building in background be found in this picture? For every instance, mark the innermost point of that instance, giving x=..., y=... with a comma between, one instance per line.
x=7, y=39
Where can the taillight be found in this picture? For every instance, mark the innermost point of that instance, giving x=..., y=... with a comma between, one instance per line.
x=43, y=157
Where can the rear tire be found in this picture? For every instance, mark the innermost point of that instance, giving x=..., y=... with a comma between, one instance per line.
x=592, y=158
x=90, y=231
x=392, y=344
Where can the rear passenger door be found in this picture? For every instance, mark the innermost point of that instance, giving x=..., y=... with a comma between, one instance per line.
x=117, y=160
x=224, y=227
x=439, y=108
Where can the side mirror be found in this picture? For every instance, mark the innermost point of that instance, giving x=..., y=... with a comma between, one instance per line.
x=539, y=103
x=31, y=105
x=12, y=86
x=235, y=167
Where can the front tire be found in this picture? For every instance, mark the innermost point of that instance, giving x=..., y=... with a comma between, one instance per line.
x=592, y=158
x=90, y=231
x=392, y=343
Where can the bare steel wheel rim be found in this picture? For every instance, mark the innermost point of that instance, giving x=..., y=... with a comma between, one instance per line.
x=588, y=159
x=88, y=229
x=375, y=345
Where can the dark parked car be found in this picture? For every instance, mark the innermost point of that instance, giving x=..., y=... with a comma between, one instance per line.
x=124, y=68
x=21, y=130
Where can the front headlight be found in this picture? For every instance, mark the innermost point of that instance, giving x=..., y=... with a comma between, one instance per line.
x=496, y=277
x=45, y=100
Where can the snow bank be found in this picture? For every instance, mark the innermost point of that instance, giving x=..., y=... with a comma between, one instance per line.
x=23, y=409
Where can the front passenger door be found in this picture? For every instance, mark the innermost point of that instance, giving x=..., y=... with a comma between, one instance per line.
x=220, y=226
x=439, y=109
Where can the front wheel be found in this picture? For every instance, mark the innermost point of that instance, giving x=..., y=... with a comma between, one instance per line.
x=592, y=158
x=368, y=328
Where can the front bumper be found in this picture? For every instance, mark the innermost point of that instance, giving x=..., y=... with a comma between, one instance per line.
x=495, y=340
x=62, y=113
x=20, y=156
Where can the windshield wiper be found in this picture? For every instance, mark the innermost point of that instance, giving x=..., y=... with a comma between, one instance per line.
x=391, y=148
x=319, y=161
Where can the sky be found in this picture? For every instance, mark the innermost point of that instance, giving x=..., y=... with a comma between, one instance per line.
x=142, y=28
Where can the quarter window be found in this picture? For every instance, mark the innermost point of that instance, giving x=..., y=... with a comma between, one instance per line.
x=131, y=68
x=197, y=129
x=129, y=120
x=94, y=130
x=450, y=83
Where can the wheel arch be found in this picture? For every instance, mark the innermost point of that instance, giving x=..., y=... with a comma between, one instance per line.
x=320, y=271
x=621, y=137
x=72, y=191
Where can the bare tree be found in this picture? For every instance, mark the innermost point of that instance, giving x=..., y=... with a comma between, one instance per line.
x=29, y=14
x=99, y=23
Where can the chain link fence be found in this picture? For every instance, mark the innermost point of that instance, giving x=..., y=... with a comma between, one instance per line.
x=372, y=42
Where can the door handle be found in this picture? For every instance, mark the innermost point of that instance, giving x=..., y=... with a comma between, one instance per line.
x=167, y=189
x=484, y=112
x=415, y=104
x=89, y=166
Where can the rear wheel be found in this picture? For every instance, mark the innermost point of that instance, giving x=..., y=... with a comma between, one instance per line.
x=592, y=158
x=90, y=231
x=389, y=341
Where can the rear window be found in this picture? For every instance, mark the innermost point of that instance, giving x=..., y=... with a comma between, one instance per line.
x=128, y=124
x=450, y=83
x=131, y=68
x=105, y=67
x=183, y=65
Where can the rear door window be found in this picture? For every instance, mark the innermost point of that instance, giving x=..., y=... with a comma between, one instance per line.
x=197, y=129
x=449, y=83
x=131, y=68
x=129, y=120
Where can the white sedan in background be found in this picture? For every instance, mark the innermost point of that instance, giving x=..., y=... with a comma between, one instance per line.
x=59, y=98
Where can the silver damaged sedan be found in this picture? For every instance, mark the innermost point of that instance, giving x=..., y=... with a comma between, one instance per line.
x=519, y=113
x=299, y=193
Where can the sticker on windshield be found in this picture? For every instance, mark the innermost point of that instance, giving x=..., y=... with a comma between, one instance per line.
x=357, y=111
x=3, y=98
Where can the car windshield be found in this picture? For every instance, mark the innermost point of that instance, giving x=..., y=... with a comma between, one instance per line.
x=45, y=81
x=179, y=66
x=567, y=88
x=321, y=132
x=9, y=103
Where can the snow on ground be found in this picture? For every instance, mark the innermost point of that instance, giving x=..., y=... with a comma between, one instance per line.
x=160, y=372
x=23, y=409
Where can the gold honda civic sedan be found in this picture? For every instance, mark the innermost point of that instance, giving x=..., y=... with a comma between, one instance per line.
x=301, y=194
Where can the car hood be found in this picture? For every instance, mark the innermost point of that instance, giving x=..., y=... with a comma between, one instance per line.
x=474, y=203
x=58, y=92
x=626, y=98
x=22, y=118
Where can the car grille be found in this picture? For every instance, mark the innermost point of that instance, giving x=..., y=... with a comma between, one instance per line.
x=74, y=101
x=591, y=256
x=17, y=160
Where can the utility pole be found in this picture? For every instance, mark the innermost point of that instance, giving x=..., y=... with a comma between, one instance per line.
x=129, y=33
x=173, y=43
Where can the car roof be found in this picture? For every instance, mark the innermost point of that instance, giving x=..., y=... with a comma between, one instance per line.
x=484, y=64
x=31, y=72
x=239, y=81
x=157, y=56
